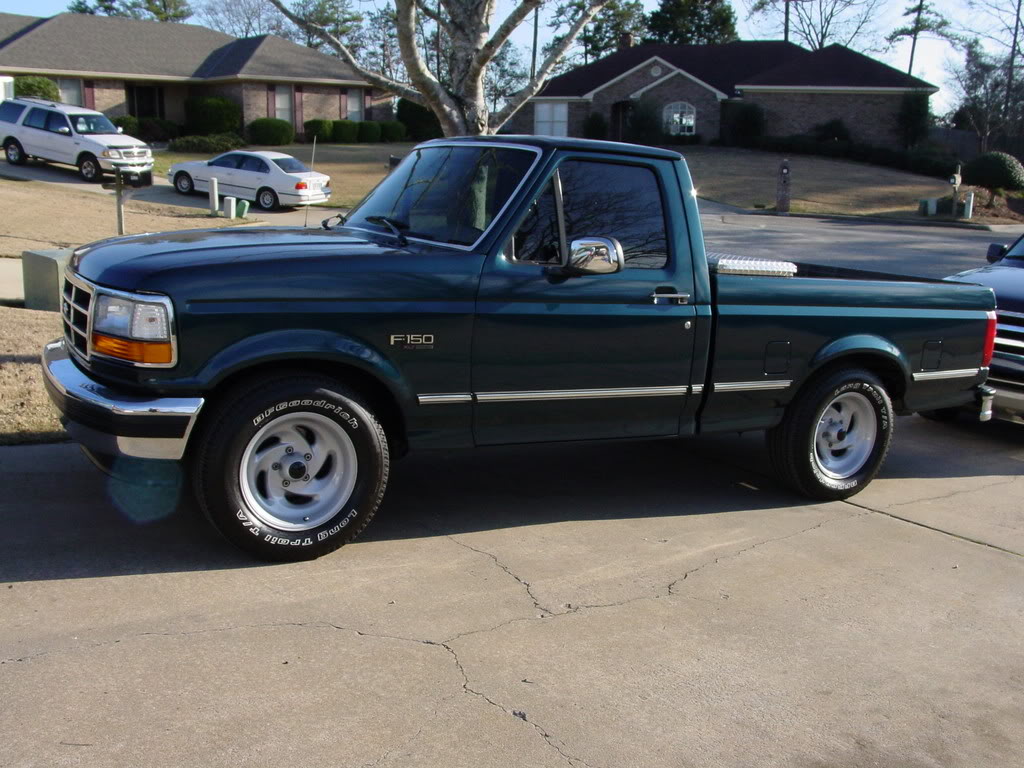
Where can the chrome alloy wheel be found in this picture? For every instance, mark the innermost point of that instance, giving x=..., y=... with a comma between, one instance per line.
x=13, y=153
x=298, y=471
x=845, y=436
x=267, y=199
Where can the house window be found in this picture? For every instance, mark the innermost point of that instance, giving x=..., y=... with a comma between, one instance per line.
x=145, y=100
x=283, y=102
x=551, y=118
x=679, y=119
x=70, y=90
x=355, y=104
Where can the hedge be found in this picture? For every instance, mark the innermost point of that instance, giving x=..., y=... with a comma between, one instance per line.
x=392, y=130
x=595, y=126
x=210, y=115
x=156, y=129
x=207, y=145
x=321, y=130
x=129, y=123
x=345, y=131
x=36, y=87
x=420, y=123
x=369, y=132
x=271, y=131
x=995, y=171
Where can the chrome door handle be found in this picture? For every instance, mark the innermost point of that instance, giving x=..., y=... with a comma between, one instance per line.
x=677, y=298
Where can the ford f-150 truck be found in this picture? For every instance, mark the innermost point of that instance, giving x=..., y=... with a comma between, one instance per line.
x=489, y=291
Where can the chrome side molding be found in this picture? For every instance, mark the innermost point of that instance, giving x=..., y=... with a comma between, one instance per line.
x=960, y=373
x=751, y=386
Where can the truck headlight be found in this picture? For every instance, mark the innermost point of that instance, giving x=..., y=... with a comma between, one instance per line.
x=111, y=153
x=136, y=330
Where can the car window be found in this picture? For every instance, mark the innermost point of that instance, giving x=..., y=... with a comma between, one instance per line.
x=36, y=118
x=536, y=239
x=10, y=111
x=91, y=125
x=227, y=161
x=55, y=121
x=290, y=165
x=621, y=201
x=254, y=164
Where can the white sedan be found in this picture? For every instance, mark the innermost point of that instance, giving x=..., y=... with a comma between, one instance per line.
x=271, y=179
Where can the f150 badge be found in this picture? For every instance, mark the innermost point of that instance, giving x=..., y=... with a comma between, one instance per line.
x=413, y=340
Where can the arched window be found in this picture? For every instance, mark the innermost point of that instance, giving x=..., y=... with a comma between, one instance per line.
x=679, y=119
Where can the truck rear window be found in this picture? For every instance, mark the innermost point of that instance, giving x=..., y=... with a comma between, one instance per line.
x=10, y=111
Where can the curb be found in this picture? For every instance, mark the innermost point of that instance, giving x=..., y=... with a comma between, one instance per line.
x=895, y=222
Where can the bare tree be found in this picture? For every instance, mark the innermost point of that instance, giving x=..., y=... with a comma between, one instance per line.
x=244, y=18
x=461, y=104
x=979, y=84
x=999, y=22
x=818, y=23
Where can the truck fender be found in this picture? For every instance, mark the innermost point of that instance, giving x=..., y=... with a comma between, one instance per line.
x=306, y=345
x=863, y=345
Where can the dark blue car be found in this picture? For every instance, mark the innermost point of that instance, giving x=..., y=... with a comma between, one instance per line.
x=1005, y=276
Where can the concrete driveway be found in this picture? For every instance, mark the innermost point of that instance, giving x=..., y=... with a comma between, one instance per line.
x=641, y=604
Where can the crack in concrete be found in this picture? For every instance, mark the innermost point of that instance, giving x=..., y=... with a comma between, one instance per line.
x=951, y=494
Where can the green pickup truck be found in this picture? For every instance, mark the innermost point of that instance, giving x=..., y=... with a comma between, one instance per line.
x=489, y=291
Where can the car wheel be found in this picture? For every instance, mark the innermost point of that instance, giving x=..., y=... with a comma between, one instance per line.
x=292, y=468
x=266, y=199
x=834, y=436
x=89, y=169
x=183, y=183
x=14, y=153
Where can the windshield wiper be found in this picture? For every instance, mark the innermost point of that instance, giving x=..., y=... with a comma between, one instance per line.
x=394, y=225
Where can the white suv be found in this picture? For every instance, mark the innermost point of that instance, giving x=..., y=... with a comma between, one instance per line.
x=64, y=133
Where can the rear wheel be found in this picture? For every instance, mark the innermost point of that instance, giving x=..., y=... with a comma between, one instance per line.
x=14, y=153
x=292, y=468
x=89, y=169
x=834, y=436
x=266, y=199
x=183, y=183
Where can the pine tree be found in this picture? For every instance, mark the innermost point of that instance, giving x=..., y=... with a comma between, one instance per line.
x=692, y=22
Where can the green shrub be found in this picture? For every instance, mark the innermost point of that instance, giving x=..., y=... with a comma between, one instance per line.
x=36, y=87
x=156, y=129
x=207, y=145
x=210, y=115
x=271, y=132
x=321, y=130
x=129, y=123
x=832, y=130
x=345, y=131
x=595, y=126
x=369, y=132
x=644, y=123
x=420, y=123
x=392, y=130
x=996, y=172
x=747, y=124
x=913, y=119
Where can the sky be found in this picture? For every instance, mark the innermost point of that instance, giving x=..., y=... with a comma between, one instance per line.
x=929, y=64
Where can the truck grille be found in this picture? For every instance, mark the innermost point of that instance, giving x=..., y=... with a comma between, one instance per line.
x=130, y=154
x=1010, y=333
x=76, y=300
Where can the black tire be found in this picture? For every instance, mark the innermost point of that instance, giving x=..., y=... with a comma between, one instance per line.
x=941, y=415
x=240, y=439
x=183, y=183
x=89, y=169
x=799, y=446
x=14, y=153
x=266, y=198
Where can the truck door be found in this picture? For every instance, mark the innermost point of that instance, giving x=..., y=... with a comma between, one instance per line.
x=593, y=356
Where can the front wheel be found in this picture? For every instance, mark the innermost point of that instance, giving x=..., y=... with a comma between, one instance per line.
x=834, y=436
x=292, y=467
x=89, y=169
x=183, y=183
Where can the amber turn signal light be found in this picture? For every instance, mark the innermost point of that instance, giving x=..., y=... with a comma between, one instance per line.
x=133, y=351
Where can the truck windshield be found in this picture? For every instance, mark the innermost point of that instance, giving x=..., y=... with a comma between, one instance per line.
x=88, y=125
x=449, y=194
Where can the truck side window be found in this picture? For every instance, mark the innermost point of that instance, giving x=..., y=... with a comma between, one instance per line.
x=536, y=240
x=36, y=118
x=621, y=201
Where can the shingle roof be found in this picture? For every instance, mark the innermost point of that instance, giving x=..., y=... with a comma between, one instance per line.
x=109, y=44
x=836, y=65
x=743, y=62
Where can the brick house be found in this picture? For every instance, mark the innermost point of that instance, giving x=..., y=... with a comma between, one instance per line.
x=124, y=66
x=690, y=84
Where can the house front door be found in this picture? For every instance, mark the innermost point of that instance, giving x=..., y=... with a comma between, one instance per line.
x=620, y=119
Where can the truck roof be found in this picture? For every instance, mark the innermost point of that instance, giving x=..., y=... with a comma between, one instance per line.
x=562, y=142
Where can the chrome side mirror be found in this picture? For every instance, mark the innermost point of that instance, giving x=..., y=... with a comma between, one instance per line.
x=995, y=252
x=120, y=129
x=64, y=130
x=595, y=256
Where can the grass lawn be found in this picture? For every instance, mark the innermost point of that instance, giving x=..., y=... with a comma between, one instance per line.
x=354, y=168
x=26, y=414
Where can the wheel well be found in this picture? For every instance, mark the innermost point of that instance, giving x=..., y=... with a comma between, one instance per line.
x=885, y=368
x=82, y=155
x=10, y=139
x=377, y=396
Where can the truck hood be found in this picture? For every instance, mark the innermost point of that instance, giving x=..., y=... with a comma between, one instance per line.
x=137, y=262
x=1005, y=277
x=112, y=140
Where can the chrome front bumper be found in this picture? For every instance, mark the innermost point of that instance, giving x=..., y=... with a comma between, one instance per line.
x=110, y=422
x=1009, y=399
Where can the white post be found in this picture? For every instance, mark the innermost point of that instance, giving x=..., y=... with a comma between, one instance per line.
x=229, y=207
x=214, y=197
x=933, y=203
x=119, y=195
x=969, y=205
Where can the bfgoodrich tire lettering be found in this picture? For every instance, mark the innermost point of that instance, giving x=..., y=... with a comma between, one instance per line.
x=281, y=448
x=835, y=435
